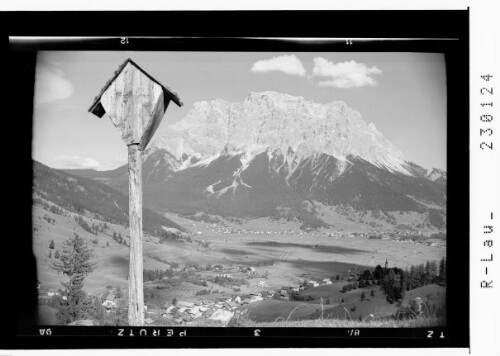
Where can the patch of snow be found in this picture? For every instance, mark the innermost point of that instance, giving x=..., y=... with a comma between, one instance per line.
x=206, y=161
x=184, y=165
x=210, y=189
x=279, y=121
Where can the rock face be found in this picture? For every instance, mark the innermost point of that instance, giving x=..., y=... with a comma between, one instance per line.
x=277, y=155
x=292, y=125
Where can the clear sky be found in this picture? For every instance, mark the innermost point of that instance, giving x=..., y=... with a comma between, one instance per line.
x=403, y=94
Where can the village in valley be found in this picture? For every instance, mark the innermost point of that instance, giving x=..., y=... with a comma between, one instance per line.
x=221, y=270
x=276, y=207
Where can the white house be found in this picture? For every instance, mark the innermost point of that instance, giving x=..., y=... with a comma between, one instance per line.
x=108, y=304
x=256, y=298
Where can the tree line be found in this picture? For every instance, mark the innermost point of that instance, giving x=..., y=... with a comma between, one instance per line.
x=120, y=239
x=394, y=282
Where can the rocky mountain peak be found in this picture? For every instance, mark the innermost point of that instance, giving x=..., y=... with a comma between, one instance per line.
x=270, y=120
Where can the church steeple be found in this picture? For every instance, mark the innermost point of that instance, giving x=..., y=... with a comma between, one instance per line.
x=386, y=263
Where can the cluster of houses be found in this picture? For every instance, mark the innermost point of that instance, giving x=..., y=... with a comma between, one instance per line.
x=221, y=309
x=184, y=311
x=281, y=232
x=249, y=271
x=220, y=228
x=285, y=292
x=400, y=236
x=397, y=235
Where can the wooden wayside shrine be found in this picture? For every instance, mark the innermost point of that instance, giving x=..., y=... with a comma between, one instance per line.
x=135, y=103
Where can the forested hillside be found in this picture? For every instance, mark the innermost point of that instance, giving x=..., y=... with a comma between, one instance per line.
x=86, y=196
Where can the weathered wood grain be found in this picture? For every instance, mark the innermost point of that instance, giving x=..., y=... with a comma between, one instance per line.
x=135, y=105
x=136, y=292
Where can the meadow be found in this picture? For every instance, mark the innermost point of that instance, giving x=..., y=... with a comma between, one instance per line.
x=280, y=254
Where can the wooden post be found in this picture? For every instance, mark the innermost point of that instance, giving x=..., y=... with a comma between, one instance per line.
x=135, y=102
x=135, y=284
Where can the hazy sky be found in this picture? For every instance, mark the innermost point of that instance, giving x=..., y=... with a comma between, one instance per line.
x=403, y=94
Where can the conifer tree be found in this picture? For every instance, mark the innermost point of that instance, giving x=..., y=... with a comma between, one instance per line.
x=394, y=287
x=442, y=271
x=428, y=273
x=433, y=269
x=74, y=262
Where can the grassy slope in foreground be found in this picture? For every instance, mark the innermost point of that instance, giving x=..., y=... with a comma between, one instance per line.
x=351, y=308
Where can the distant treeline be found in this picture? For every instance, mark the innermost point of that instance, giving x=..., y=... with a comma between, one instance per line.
x=202, y=217
x=298, y=212
x=439, y=235
x=156, y=274
x=401, y=237
x=118, y=238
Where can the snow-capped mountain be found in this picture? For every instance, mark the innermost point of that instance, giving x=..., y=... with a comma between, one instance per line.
x=273, y=152
x=271, y=120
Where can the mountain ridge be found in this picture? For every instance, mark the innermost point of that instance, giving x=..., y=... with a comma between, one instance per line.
x=271, y=119
x=275, y=151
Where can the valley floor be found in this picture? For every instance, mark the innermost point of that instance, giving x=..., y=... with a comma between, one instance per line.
x=223, y=269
